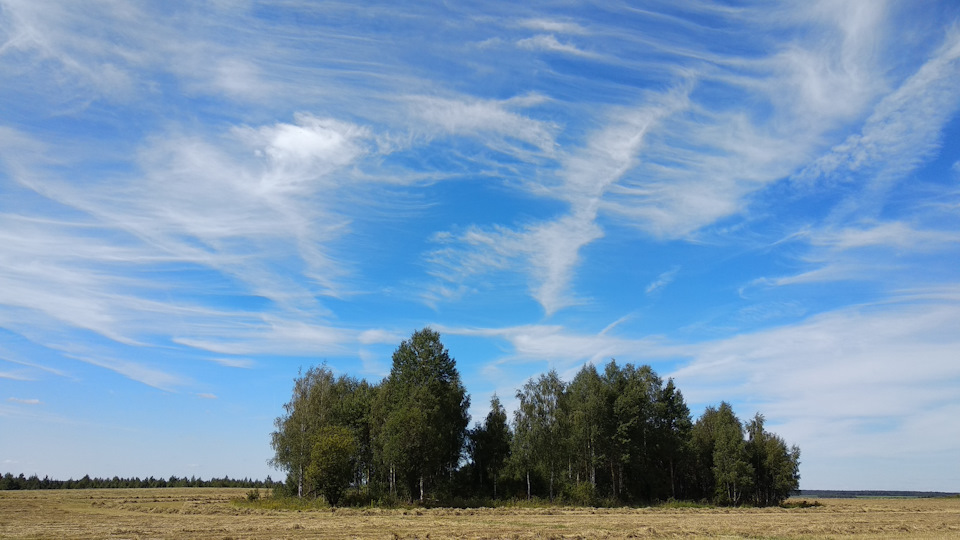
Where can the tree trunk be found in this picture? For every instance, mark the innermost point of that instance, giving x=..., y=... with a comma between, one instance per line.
x=300, y=483
x=393, y=480
x=421, y=487
x=613, y=479
x=673, y=482
x=620, y=487
x=593, y=466
x=528, y=485
x=551, y=484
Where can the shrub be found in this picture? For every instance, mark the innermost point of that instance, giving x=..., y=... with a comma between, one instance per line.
x=581, y=494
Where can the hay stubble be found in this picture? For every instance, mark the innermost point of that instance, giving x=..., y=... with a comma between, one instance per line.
x=210, y=513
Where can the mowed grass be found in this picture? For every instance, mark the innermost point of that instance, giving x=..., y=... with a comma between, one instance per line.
x=212, y=513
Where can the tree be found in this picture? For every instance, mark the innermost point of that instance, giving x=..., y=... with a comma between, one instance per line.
x=775, y=467
x=489, y=445
x=622, y=432
x=702, y=444
x=424, y=407
x=539, y=428
x=733, y=472
x=358, y=415
x=291, y=440
x=332, y=461
x=589, y=414
x=672, y=421
x=319, y=400
x=524, y=447
x=723, y=470
x=635, y=391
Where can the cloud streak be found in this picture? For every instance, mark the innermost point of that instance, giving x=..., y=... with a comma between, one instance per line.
x=836, y=376
x=22, y=401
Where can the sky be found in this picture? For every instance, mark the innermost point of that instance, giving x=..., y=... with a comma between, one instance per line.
x=760, y=200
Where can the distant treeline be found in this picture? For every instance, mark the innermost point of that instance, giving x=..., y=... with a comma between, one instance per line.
x=620, y=435
x=11, y=482
x=867, y=494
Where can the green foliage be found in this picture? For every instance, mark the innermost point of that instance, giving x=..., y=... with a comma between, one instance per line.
x=581, y=494
x=732, y=471
x=321, y=401
x=620, y=435
x=423, y=406
x=332, y=461
x=761, y=470
x=488, y=446
x=10, y=482
x=776, y=468
x=540, y=430
x=589, y=416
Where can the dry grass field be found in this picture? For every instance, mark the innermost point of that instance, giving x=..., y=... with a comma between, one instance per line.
x=210, y=513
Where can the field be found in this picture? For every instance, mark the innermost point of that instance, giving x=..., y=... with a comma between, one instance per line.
x=211, y=513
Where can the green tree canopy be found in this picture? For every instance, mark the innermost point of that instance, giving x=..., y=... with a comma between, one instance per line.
x=332, y=461
x=621, y=433
x=424, y=408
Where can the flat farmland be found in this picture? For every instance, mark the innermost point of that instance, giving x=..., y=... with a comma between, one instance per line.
x=211, y=513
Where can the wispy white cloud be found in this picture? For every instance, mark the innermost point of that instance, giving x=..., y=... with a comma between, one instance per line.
x=240, y=363
x=10, y=357
x=485, y=117
x=566, y=349
x=21, y=401
x=206, y=396
x=820, y=274
x=895, y=234
x=679, y=163
x=835, y=376
x=373, y=364
x=139, y=372
x=882, y=252
x=902, y=131
x=235, y=209
x=379, y=336
x=662, y=281
x=272, y=336
x=550, y=250
x=553, y=25
x=549, y=43
x=306, y=151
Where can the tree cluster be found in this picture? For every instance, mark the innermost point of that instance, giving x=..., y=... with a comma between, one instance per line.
x=401, y=438
x=620, y=435
x=10, y=482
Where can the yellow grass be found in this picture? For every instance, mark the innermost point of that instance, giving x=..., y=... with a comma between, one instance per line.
x=210, y=513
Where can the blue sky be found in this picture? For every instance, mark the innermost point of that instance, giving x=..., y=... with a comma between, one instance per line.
x=760, y=200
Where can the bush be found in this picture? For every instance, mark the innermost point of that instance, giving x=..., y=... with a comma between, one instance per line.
x=581, y=494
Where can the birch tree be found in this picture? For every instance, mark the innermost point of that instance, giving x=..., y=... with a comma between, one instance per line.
x=425, y=420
